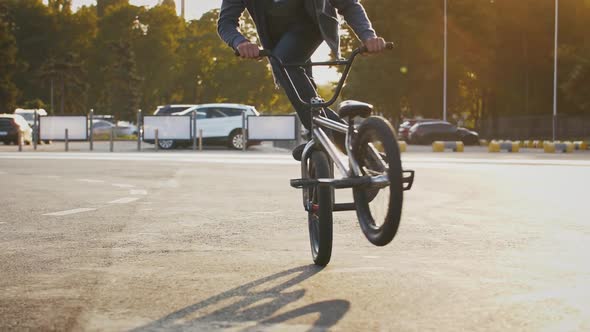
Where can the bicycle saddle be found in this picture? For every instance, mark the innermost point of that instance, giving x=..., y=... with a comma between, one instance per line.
x=352, y=108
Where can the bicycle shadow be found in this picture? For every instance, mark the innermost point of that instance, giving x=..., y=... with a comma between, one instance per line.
x=253, y=305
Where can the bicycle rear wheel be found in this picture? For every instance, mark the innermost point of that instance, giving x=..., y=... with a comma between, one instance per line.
x=378, y=208
x=320, y=210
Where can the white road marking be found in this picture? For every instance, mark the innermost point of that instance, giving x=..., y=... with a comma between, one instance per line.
x=52, y=176
x=90, y=181
x=274, y=159
x=138, y=192
x=2, y=222
x=68, y=212
x=122, y=185
x=124, y=200
x=2, y=172
x=371, y=257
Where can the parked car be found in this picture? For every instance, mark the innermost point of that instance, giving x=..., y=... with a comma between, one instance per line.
x=11, y=125
x=404, y=128
x=428, y=132
x=29, y=116
x=221, y=124
x=171, y=109
x=123, y=128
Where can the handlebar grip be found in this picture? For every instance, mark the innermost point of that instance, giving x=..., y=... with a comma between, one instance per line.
x=388, y=45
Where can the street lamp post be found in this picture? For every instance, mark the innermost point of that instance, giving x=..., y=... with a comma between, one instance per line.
x=445, y=64
x=555, y=68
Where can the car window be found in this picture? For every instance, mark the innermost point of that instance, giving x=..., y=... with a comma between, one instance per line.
x=439, y=127
x=213, y=113
x=177, y=109
x=232, y=111
x=28, y=116
x=101, y=124
x=201, y=115
x=5, y=122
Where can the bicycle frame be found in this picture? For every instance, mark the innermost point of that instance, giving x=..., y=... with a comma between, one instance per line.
x=346, y=164
x=316, y=105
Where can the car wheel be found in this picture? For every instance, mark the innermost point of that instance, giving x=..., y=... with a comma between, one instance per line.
x=236, y=140
x=166, y=144
x=470, y=140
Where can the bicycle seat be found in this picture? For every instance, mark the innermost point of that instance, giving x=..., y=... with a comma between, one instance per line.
x=352, y=108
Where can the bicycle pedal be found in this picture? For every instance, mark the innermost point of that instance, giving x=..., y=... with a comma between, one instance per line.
x=408, y=179
x=303, y=183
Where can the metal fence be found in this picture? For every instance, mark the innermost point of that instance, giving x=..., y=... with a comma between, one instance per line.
x=536, y=127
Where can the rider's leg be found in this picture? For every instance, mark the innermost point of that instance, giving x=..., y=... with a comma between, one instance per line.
x=297, y=45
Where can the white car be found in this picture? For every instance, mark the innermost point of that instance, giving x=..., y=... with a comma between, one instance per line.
x=29, y=116
x=172, y=109
x=220, y=123
x=123, y=128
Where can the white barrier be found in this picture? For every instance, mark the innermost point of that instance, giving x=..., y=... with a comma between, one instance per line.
x=54, y=128
x=272, y=128
x=169, y=127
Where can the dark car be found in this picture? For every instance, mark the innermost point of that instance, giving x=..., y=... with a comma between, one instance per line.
x=428, y=132
x=171, y=109
x=404, y=128
x=10, y=127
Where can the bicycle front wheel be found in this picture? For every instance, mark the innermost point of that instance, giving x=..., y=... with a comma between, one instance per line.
x=320, y=207
x=378, y=207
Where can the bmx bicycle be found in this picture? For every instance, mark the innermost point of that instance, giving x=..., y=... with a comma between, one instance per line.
x=371, y=166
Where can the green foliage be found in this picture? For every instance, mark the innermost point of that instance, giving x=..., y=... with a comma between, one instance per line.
x=115, y=57
x=34, y=104
x=500, y=58
x=8, y=52
x=121, y=96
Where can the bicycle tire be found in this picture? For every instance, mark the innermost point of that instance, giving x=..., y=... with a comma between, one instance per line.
x=320, y=210
x=380, y=129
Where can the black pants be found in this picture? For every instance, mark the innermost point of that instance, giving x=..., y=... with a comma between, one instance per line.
x=297, y=45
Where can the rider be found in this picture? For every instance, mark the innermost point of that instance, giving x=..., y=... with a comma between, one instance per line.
x=293, y=30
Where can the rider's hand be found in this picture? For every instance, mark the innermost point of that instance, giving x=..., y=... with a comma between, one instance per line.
x=249, y=50
x=375, y=45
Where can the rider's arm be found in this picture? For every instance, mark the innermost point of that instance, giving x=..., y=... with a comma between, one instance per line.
x=356, y=17
x=229, y=21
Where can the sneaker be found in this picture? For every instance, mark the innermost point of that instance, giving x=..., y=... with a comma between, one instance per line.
x=298, y=152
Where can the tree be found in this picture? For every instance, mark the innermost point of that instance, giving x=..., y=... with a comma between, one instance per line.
x=66, y=76
x=103, y=5
x=122, y=95
x=169, y=3
x=8, y=65
x=60, y=6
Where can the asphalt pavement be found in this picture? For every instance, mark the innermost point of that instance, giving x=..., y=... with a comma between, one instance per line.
x=217, y=240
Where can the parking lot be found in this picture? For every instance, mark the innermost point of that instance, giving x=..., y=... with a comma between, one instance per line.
x=217, y=240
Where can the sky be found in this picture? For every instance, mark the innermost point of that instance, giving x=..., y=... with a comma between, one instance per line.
x=196, y=8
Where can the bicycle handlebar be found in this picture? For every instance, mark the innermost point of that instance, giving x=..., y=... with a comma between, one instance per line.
x=347, y=62
x=264, y=53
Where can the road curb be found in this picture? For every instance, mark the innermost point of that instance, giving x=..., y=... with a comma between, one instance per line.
x=508, y=146
x=403, y=146
x=442, y=146
x=554, y=147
